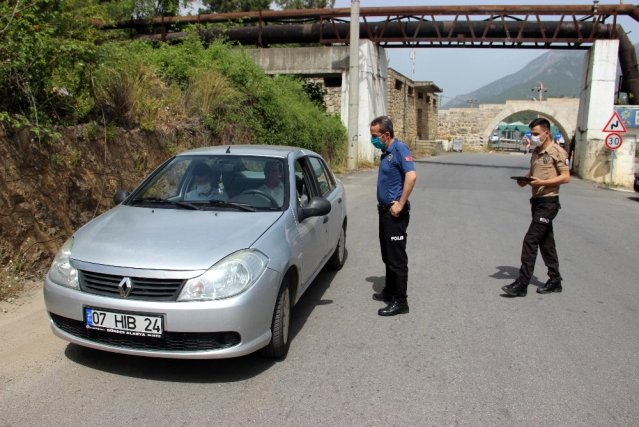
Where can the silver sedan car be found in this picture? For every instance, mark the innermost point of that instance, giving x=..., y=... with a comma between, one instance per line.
x=204, y=259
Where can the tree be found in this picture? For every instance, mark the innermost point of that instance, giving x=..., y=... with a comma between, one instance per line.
x=224, y=6
x=305, y=4
x=148, y=8
x=46, y=50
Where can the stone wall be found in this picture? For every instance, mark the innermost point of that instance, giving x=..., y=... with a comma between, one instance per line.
x=466, y=123
x=333, y=100
x=411, y=107
x=332, y=97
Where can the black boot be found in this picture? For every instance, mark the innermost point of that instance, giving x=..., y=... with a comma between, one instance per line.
x=515, y=289
x=382, y=297
x=552, y=285
x=394, y=308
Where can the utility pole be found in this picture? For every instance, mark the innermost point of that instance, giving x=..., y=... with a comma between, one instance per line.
x=353, y=89
x=541, y=89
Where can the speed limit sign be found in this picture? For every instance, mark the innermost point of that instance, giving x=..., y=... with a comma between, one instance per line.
x=613, y=141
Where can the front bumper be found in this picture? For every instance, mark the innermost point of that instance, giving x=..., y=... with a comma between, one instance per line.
x=192, y=330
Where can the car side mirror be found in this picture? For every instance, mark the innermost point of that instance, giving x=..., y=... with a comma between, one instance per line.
x=317, y=206
x=119, y=196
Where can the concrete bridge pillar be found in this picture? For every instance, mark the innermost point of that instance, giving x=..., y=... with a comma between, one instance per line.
x=592, y=160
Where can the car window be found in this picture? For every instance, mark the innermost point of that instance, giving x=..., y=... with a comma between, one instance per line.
x=261, y=182
x=258, y=182
x=302, y=185
x=323, y=177
x=166, y=182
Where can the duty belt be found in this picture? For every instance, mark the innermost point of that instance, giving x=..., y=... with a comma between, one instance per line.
x=542, y=199
x=381, y=208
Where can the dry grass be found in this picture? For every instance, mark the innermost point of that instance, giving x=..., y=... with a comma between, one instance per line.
x=11, y=281
x=210, y=94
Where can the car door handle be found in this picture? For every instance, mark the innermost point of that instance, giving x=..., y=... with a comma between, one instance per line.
x=325, y=220
x=339, y=200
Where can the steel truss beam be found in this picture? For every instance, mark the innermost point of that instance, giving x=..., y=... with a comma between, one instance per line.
x=520, y=26
x=492, y=26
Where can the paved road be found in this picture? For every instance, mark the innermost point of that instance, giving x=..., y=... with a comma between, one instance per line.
x=463, y=356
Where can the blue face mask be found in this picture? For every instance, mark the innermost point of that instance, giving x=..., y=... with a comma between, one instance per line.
x=377, y=142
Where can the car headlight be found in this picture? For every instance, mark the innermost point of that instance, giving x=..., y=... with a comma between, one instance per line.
x=62, y=272
x=229, y=277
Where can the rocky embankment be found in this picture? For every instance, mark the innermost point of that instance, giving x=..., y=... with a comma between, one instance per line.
x=49, y=189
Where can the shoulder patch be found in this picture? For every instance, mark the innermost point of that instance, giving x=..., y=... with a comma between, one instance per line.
x=408, y=158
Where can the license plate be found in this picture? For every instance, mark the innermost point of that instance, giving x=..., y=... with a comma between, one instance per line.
x=141, y=325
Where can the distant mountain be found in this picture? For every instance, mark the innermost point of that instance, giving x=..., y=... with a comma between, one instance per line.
x=559, y=70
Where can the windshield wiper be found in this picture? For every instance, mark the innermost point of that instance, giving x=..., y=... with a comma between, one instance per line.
x=161, y=201
x=240, y=206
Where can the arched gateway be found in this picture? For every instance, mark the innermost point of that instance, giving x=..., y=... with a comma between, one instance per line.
x=474, y=125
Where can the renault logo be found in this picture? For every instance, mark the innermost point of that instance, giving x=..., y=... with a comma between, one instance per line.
x=125, y=287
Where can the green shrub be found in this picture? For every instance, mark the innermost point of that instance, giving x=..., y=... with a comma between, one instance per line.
x=60, y=69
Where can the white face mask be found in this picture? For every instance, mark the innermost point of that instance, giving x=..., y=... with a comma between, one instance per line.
x=535, y=139
x=203, y=188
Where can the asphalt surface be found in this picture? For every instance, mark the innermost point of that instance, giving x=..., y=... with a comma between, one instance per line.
x=464, y=355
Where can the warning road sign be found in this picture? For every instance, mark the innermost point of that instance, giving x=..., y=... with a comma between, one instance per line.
x=613, y=141
x=614, y=124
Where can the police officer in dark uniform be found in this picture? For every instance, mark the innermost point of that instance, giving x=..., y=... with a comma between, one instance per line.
x=395, y=181
x=548, y=170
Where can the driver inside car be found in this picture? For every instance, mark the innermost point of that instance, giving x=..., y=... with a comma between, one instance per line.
x=206, y=185
x=273, y=185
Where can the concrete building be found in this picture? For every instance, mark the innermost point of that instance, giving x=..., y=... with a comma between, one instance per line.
x=382, y=91
x=412, y=105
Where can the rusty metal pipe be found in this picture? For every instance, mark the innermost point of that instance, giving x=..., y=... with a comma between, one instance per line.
x=628, y=64
x=398, y=32
x=394, y=11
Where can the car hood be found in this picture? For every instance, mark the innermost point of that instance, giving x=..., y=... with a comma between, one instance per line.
x=167, y=239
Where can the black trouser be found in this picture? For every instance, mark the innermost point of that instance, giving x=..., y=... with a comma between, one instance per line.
x=392, y=241
x=540, y=235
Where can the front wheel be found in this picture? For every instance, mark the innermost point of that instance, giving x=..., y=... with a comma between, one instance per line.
x=279, y=344
x=338, y=258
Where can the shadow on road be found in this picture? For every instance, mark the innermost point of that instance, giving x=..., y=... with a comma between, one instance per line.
x=634, y=199
x=173, y=370
x=378, y=283
x=437, y=161
x=311, y=299
x=511, y=274
x=201, y=371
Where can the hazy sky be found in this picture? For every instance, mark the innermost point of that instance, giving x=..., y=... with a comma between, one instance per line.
x=459, y=71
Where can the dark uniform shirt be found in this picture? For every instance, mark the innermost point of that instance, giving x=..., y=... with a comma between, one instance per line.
x=547, y=164
x=395, y=162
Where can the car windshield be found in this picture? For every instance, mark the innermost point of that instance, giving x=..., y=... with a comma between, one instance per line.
x=216, y=182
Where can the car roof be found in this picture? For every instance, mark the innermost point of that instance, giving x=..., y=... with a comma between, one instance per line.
x=249, y=150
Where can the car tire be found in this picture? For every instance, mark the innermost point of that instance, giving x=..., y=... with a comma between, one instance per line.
x=337, y=260
x=280, y=325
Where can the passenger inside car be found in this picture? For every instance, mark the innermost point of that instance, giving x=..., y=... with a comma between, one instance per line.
x=205, y=185
x=273, y=185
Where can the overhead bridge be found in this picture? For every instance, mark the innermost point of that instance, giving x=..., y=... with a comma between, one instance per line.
x=534, y=26
x=490, y=26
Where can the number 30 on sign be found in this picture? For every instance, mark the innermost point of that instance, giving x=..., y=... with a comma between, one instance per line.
x=613, y=141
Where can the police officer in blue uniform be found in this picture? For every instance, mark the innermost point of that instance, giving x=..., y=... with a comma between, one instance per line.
x=395, y=181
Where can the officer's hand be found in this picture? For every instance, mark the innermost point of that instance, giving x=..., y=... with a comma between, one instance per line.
x=536, y=182
x=396, y=208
